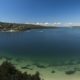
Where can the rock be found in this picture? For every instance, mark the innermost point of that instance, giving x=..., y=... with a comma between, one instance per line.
x=70, y=72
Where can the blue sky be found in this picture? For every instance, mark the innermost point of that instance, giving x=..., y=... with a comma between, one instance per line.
x=40, y=11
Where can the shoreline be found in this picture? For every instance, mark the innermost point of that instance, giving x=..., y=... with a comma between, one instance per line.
x=46, y=72
x=17, y=27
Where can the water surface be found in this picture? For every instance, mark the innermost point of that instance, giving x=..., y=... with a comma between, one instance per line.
x=46, y=43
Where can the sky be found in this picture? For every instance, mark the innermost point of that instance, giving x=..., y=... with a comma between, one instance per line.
x=22, y=11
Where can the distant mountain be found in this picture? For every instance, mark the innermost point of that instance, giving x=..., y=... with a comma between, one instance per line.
x=13, y=27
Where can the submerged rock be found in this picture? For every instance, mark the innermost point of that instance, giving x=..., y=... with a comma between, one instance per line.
x=53, y=71
x=39, y=65
x=26, y=67
x=70, y=72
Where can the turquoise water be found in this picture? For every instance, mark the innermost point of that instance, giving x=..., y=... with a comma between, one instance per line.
x=46, y=44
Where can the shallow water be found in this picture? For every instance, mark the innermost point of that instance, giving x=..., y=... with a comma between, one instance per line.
x=43, y=45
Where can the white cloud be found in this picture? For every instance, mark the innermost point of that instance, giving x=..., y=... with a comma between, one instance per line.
x=68, y=24
x=46, y=23
x=37, y=23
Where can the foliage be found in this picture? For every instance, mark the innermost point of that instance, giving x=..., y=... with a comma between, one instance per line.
x=9, y=72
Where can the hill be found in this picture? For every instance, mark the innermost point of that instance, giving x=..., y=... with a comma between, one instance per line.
x=14, y=27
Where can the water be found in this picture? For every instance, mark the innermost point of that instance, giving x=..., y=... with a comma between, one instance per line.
x=41, y=44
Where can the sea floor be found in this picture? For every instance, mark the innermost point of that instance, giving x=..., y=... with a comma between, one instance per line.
x=66, y=69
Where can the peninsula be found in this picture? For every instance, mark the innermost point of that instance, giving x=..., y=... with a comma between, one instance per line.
x=15, y=27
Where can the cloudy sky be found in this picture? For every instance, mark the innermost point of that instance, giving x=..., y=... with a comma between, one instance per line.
x=59, y=11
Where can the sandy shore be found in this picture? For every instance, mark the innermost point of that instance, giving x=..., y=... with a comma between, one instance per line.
x=46, y=72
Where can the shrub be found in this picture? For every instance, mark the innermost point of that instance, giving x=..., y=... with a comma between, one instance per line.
x=9, y=72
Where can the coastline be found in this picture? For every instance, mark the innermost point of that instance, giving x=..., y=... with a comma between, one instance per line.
x=16, y=27
x=46, y=72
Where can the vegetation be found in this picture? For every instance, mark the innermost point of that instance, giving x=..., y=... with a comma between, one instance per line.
x=19, y=27
x=9, y=72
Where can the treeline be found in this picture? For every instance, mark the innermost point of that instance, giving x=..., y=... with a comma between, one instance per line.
x=9, y=72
